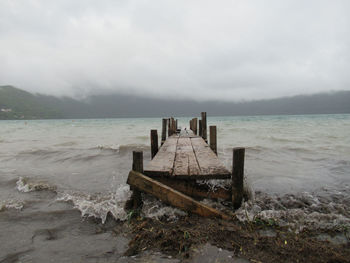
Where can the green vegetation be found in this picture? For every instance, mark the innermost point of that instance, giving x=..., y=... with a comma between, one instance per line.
x=19, y=104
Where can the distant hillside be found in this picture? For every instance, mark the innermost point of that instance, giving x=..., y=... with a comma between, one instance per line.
x=19, y=104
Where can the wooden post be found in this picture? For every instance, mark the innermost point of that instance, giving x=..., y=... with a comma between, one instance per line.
x=195, y=120
x=135, y=202
x=200, y=128
x=237, y=176
x=176, y=125
x=212, y=134
x=204, y=126
x=164, y=123
x=154, y=143
x=169, y=127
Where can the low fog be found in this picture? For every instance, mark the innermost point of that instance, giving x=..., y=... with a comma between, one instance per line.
x=202, y=50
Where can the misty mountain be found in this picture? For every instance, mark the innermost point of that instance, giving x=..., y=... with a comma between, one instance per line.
x=19, y=104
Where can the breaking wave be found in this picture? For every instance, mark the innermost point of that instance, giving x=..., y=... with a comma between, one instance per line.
x=99, y=205
x=25, y=186
x=11, y=204
x=322, y=210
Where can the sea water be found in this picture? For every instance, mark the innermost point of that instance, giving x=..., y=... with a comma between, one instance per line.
x=53, y=172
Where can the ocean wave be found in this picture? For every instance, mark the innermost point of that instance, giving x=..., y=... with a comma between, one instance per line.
x=122, y=148
x=153, y=208
x=299, y=211
x=25, y=186
x=99, y=205
x=11, y=204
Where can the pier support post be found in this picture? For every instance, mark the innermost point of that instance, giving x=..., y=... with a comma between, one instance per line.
x=237, y=176
x=204, y=126
x=135, y=201
x=137, y=165
x=172, y=126
x=195, y=121
x=169, y=127
x=154, y=143
x=164, y=123
x=200, y=128
x=212, y=135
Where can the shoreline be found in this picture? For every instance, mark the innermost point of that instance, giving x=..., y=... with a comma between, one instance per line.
x=258, y=241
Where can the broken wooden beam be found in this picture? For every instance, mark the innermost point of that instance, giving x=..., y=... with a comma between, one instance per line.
x=171, y=196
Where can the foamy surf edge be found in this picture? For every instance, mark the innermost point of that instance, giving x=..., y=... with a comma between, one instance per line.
x=99, y=205
x=24, y=185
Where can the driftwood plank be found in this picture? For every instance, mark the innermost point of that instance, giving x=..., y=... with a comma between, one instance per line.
x=171, y=196
x=209, y=164
x=162, y=164
x=185, y=161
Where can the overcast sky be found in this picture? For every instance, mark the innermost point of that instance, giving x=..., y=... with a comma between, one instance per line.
x=230, y=50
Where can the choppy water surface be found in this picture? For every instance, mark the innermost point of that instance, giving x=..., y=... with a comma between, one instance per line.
x=298, y=168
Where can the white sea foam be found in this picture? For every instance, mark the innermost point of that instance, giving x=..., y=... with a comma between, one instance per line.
x=153, y=208
x=11, y=204
x=99, y=205
x=298, y=211
x=24, y=185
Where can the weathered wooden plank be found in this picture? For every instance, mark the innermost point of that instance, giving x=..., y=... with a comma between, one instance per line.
x=209, y=164
x=196, y=190
x=185, y=161
x=171, y=196
x=162, y=164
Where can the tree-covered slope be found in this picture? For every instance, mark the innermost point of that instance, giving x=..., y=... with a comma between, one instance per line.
x=24, y=105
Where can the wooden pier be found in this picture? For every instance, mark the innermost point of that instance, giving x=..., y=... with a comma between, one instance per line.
x=183, y=158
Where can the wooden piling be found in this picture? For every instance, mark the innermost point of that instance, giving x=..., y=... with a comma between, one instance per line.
x=204, y=126
x=237, y=176
x=169, y=127
x=195, y=121
x=212, y=135
x=135, y=201
x=164, y=124
x=176, y=125
x=154, y=143
x=200, y=128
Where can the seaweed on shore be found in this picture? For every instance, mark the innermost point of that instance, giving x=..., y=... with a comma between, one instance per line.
x=257, y=241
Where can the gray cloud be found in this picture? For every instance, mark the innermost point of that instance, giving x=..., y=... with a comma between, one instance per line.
x=227, y=50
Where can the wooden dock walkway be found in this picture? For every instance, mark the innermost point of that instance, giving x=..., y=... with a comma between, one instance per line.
x=183, y=158
x=186, y=156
